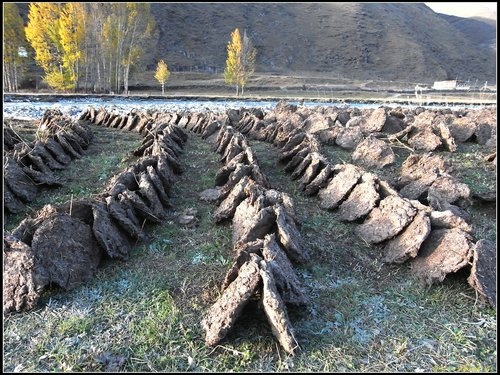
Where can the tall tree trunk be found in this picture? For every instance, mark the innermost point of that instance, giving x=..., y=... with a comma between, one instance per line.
x=163, y=89
x=105, y=75
x=16, y=85
x=110, y=75
x=85, y=87
x=98, y=80
x=129, y=57
x=77, y=78
x=125, y=81
x=7, y=77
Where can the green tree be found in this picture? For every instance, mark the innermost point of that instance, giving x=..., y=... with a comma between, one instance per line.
x=240, y=62
x=14, y=46
x=162, y=74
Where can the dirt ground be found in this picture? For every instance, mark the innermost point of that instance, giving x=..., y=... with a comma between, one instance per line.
x=321, y=87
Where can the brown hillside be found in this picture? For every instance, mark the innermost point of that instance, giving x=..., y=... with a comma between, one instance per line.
x=399, y=41
x=482, y=31
x=361, y=41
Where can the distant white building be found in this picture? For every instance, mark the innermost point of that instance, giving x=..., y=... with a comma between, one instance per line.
x=445, y=85
x=21, y=51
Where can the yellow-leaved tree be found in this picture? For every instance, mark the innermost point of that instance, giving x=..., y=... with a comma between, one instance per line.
x=240, y=62
x=56, y=33
x=72, y=37
x=234, y=48
x=140, y=28
x=162, y=73
x=41, y=32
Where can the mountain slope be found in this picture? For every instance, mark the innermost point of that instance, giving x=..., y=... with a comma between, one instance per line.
x=399, y=41
x=481, y=31
x=389, y=41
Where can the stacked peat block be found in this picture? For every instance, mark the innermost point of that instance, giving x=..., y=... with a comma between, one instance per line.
x=265, y=243
x=63, y=245
x=29, y=167
x=10, y=138
x=437, y=239
x=265, y=239
x=135, y=120
x=202, y=123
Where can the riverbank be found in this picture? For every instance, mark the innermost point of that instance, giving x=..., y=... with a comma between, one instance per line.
x=342, y=97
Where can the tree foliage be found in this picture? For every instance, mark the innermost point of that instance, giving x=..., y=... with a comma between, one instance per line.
x=240, y=62
x=234, y=48
x=94, y=45
x=71, y=36
x=13, y=46
x=162, y=74
x=55, y=33
x=249, y=54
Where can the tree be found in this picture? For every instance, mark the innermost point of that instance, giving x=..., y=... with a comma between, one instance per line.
x=90, y=45
x=234, y=48
x=240, y=63
x=140, y=29
x=40, y=34
x=54, y=32
x=126, y=29
x=162, y=74
x=72, y=36
x=247, y=61
x=14, y=46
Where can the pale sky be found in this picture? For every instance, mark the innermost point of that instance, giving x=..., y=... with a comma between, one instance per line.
x=487, y=10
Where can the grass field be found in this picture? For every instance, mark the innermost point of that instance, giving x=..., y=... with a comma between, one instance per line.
x=144, y=314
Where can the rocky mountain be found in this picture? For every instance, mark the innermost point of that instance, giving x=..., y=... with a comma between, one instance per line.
x=396, y=41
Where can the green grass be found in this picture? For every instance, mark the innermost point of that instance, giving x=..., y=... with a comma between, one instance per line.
x=143, y=315
x=469, y=167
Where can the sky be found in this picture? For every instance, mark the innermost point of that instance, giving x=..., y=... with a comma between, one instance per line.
x=487, y=10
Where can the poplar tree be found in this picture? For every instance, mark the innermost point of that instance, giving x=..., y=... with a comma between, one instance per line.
x=14, y=45
x=55, y=33
x=162, y=74
x=233, y=62
x=93, y=45
x=41, y=32
x=240, y=63
x=72, y=36
x=140, y=30
x=247, y=61
x=125, y=31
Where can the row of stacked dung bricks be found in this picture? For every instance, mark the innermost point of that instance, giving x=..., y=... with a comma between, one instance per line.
x=436, y=239
x=29, y=167
x=63, y=245
x=266, y=241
